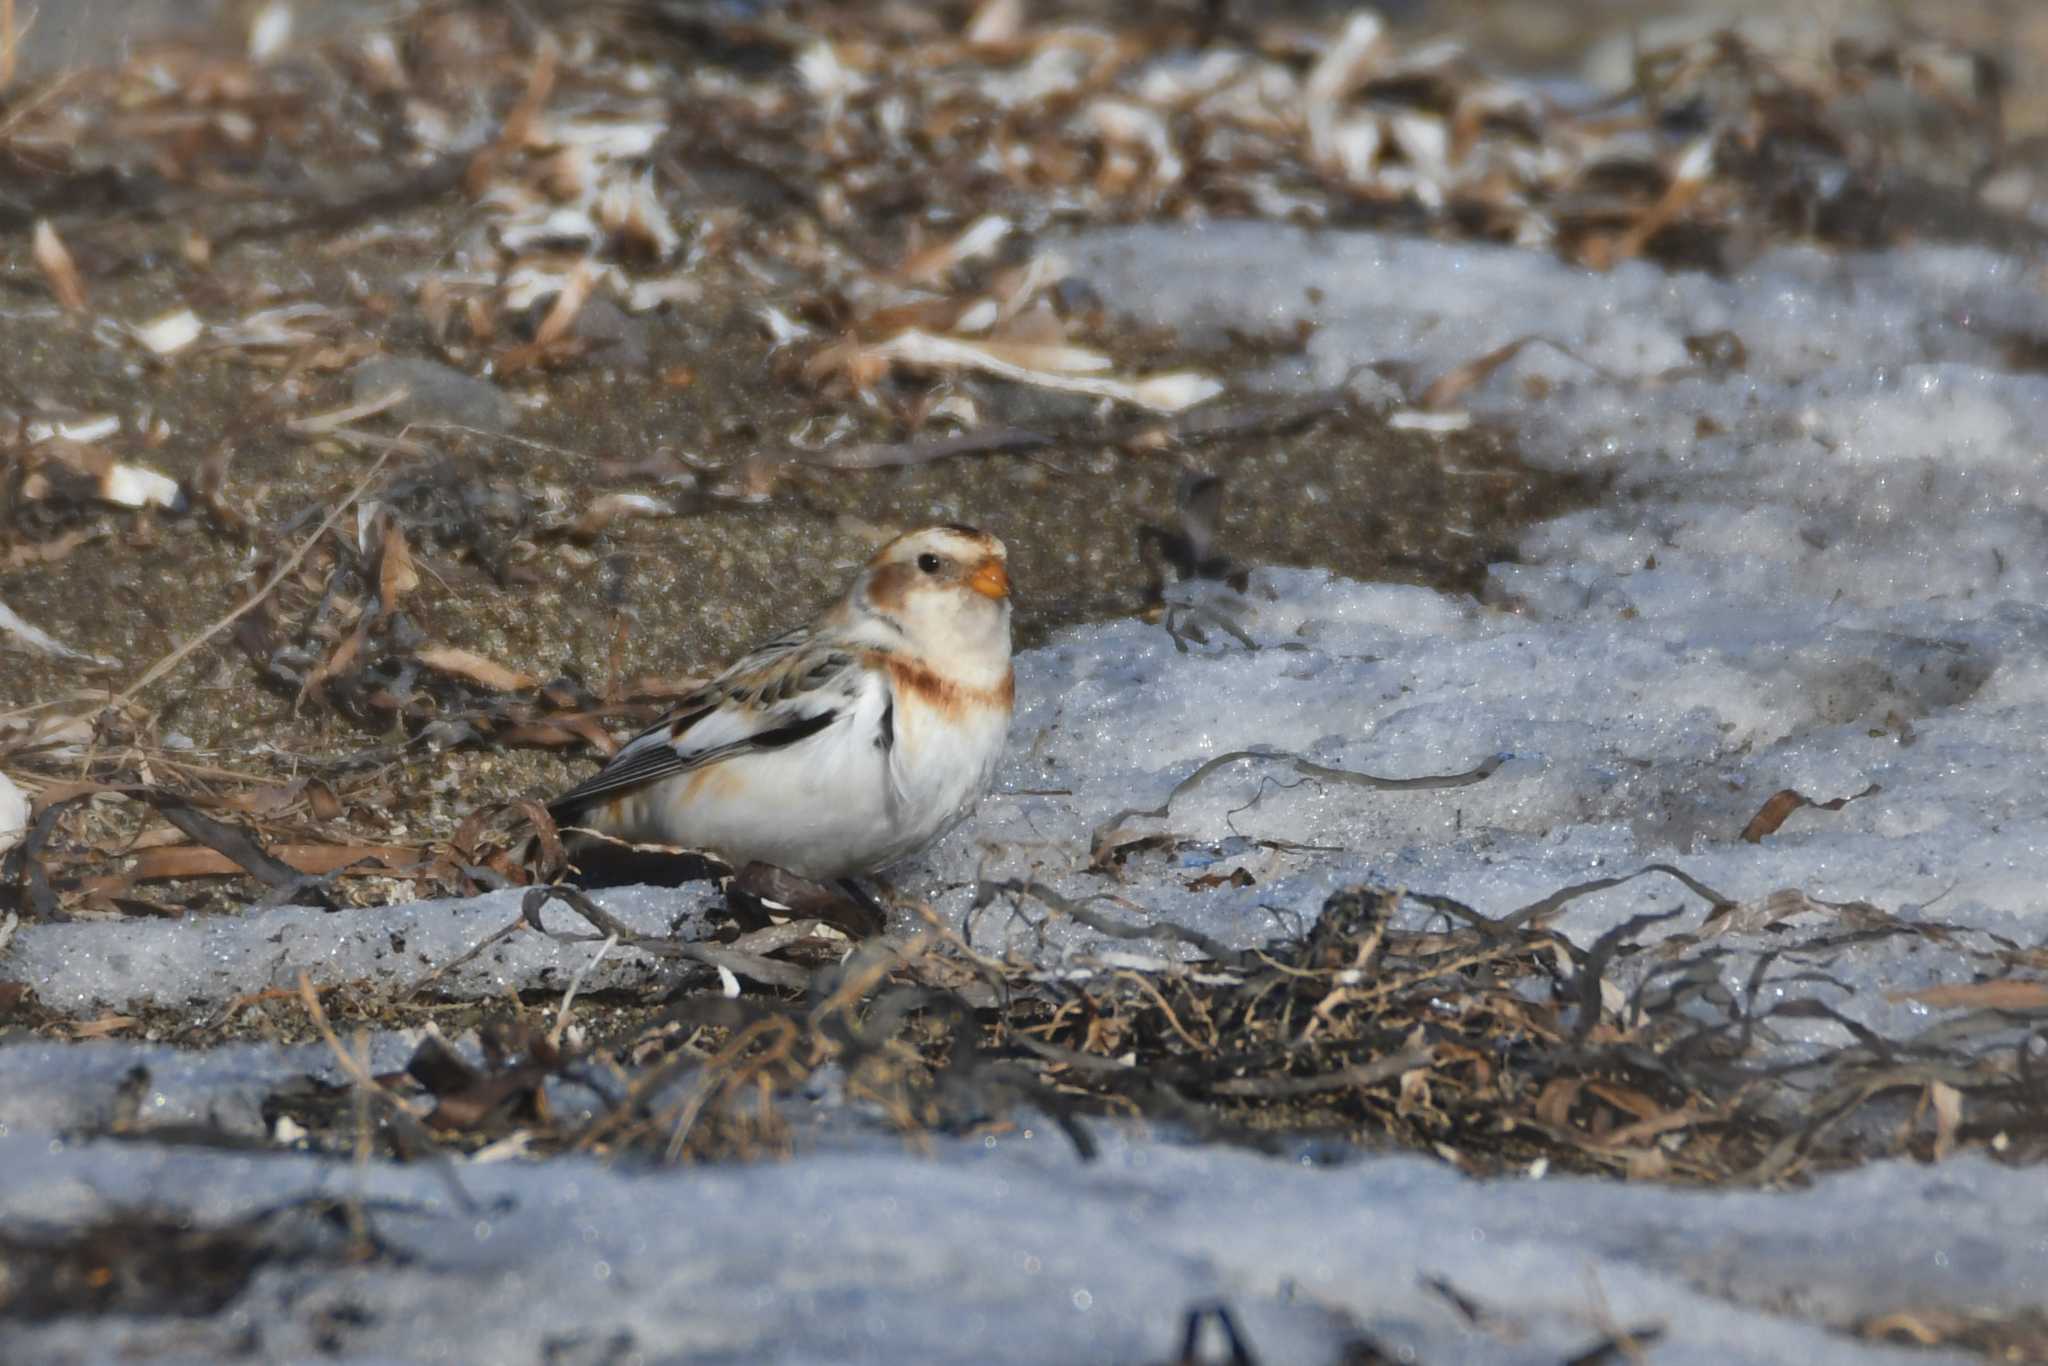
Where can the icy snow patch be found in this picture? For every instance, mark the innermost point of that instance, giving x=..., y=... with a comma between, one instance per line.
x=1859, y=440
x=100, y=1085
x=1008, y=1250
x=1821, y=570
x=208, y=961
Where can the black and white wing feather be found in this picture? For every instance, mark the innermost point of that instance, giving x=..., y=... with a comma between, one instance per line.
x=780, y=695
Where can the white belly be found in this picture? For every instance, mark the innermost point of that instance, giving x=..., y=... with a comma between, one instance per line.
x=835, y=805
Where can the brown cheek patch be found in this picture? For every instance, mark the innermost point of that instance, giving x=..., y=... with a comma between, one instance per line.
x=916, y=682
x=889, y=589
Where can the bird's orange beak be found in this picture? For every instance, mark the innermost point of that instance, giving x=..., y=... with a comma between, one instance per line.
x=990, y=579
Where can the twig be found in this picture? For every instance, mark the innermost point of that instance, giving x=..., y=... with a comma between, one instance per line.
x=48, y=92
x=177, y=656
x=327, y=423
x=8, y=37
x=740, y=957
x=575, y=983
x=405, y=1116
x=355, y=1069
x=1110, y=833
x=716, y=1073
x=359, y=1057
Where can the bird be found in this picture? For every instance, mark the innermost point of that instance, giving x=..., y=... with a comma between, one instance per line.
x=838, y=748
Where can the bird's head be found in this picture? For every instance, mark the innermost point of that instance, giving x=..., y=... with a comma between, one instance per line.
x=947, y=589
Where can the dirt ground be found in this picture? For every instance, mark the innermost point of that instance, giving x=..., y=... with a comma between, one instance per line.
x=405, y=400
x=644, y=500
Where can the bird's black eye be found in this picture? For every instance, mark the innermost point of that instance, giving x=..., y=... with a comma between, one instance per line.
x=928, y=562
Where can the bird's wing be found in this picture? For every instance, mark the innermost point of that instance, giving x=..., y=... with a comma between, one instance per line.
x=787, y=691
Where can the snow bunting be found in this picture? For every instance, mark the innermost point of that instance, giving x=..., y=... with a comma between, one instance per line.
x=842, y=746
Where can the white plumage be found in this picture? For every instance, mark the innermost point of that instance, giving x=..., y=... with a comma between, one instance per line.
x=841, y=747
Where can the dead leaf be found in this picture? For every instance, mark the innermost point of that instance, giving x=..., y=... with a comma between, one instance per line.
x=1947, y=1103
x=934, y=263
x=54, y=259
x=1554, y=1102
x=1453, y=384
x=995, y=23
x=551, y=340
x=396, y=575
x=522, y=121
x=1774, y=812
x=23, y=554
x=484, y=672
x=1073, y=369
x=1687, y=183
x=1925, y=1327
x=104, y=1026
x=1625, y=1099
x=337, y=661
x=328, y=423
x=1646, y=1164
x=611, y=507
x=562, y=730
x=326, y=806
x=192, y=860
x=2003, y=993
x=548, y=839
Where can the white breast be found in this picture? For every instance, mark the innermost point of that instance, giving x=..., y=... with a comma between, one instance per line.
x=940, y=766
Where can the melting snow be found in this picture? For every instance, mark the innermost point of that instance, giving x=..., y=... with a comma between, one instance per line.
x=1820, y=568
